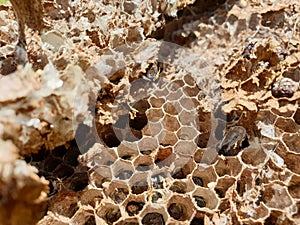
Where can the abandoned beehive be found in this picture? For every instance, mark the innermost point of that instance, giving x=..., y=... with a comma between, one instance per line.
x=151, y=112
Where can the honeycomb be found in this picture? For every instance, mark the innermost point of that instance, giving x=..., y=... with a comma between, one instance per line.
x=197, y=126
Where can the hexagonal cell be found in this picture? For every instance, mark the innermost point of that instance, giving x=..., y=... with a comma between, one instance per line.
x=182, y=187
x=152, y=129
x=109, y=213
x=286, y=125
x=157, y=216
x=100, y=176
x=292, y=141
x=228, y=166
x=293, y=186
x=205, y=198
x=172, y=108
x=147, y=144
x=127, y=150
x=134, y=204
x=234, y=140
x=202, y=176
x=253, y=155
x=139, y=183
x=164, y=157
x=70, y=206
x=143, y=163
x=191, y=91
x=185, y=148
x=78, y=181
x=122, y=169
x=223, y=184
x=206, y=156
x=189, y=80
x=166, y=138
x=183, y=166
x=189, y=103
x=188, y=118
x=200, y=218
x=170, y=123
x=156, y=102
x=117, y=191
x=180, y=208
x=276, y=196
x=187, y=133
x=154, y=114
x=110, y=136
x=174, y=85
x=290, y=160
x=91, y=197
x=101, y=156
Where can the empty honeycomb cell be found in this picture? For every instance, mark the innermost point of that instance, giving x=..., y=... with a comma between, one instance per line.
x=59, y=151
x=154, y=215
x=139, y=121
x=117, y=191
x=203, y=197
x=178, y=187
x=109, y=136
x=183, y=167
x=187, y=133
x=245, y=181
x=90, y=221
x=234, y=140
x=185, y=148
x=154, y=114
x=228, y=166
x=276, y=196
x=180, y=208
x=122, y=169
x=167, y=138
x=147, y=144
x=152, y=129
x=274, y=19
x=70, y=206
x=63, y=171
x=203, y=176
x=110, y=213
x=188, y=118
x=127, y=150
x=292, y=141
x=189, y=80
x=143, y=163
x=91, y=197
x=51, y=163
x=286, y=125
x=164, y=157
x=139, y=183
x=253, y=155
x=293, y=186
x=170, y=123
x=223, y=184
x=291, y=161
x=203, y=139
x=101, y=156
x=156, y=102
x=189, y=103
x=191, y=91
x=100, y=176
x=172, y=108
x=133, y=208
